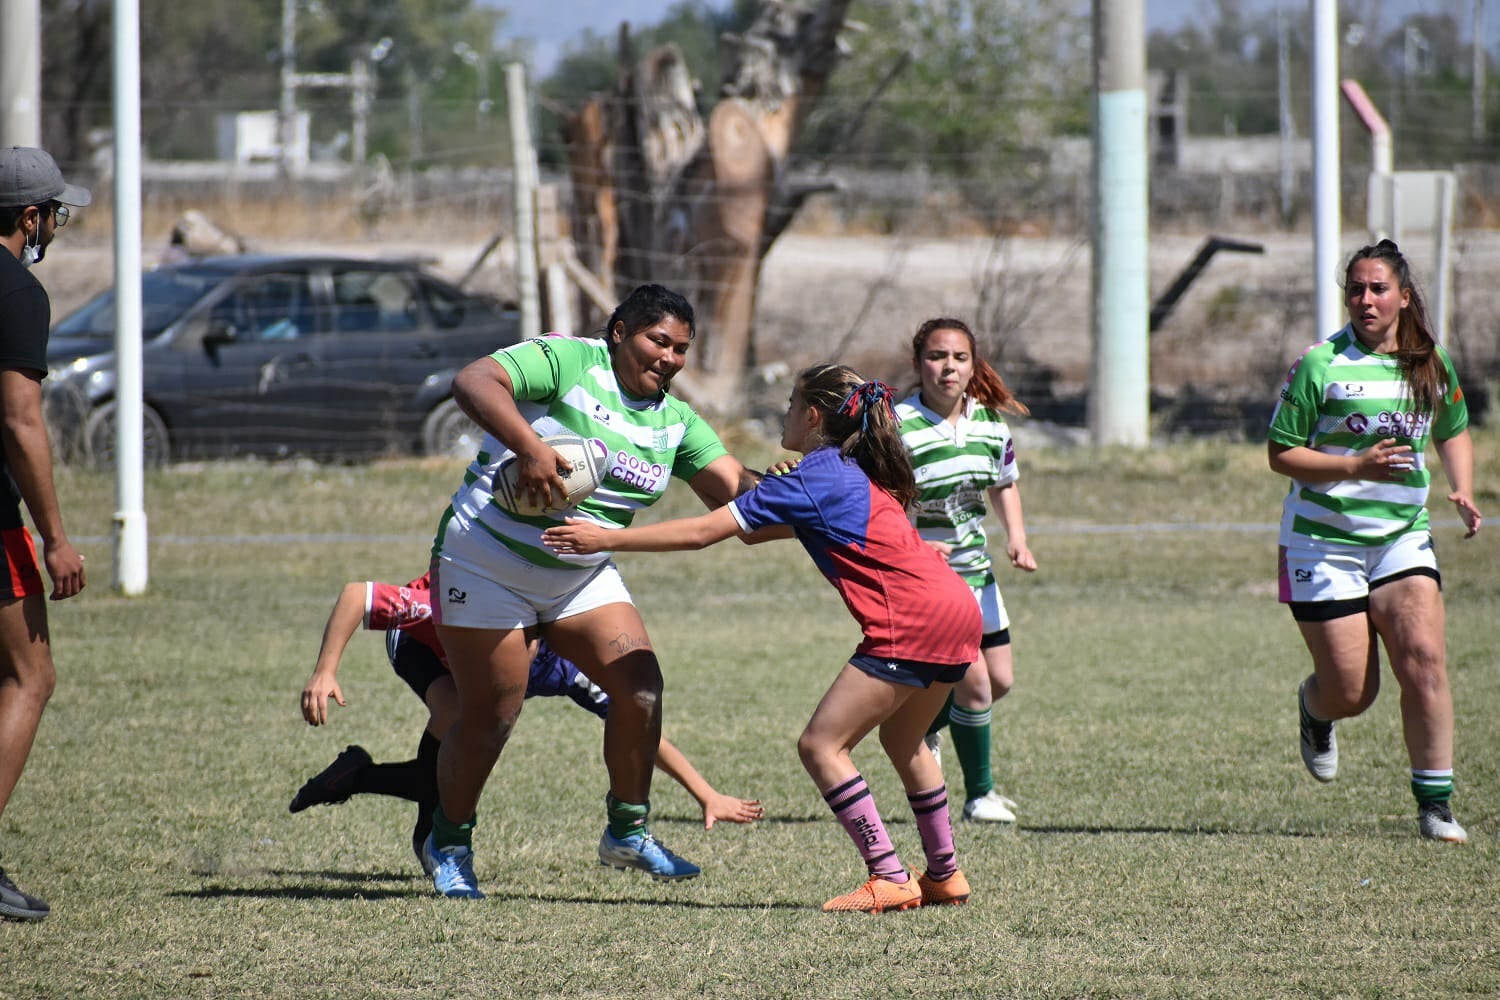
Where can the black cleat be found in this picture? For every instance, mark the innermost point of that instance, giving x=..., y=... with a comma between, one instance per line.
x=17, y=905
x=335, y=783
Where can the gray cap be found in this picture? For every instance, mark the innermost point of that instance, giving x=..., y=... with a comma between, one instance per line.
x=29, y=176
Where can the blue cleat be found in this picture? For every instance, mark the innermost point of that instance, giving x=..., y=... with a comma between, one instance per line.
x=452, y=870
x=644, y=852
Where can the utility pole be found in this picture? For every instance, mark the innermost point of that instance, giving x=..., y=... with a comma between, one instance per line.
x=20, y=73
x=1284, y=111
x=1327, y=210
x=1476, y=31
x=1119, y=391
x=287, y=119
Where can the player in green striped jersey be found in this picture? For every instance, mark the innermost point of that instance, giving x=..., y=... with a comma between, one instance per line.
x=962, y=452
x=493, y=582
x=1357, y=559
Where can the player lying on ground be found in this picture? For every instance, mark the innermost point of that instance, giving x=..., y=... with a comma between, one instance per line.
x=404, y=613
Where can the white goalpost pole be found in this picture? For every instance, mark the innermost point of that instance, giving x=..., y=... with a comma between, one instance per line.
x=129, y=529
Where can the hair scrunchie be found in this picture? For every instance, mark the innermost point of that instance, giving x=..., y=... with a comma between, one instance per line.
x=865, y=396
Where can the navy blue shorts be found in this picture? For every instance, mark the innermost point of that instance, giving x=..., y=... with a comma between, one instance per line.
x=912, y=673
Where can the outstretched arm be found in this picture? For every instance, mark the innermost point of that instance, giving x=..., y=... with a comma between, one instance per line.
x=343, y=621
x=1457, y=454
x=721, y=481
x=585, y=537
x=715, y=806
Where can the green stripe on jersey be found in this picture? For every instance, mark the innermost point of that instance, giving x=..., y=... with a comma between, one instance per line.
x=568, y=385
x=954, y=466
x=1341, y=399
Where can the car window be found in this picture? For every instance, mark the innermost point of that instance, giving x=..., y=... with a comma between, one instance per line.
x=165, y=296
x=268, y=307
x=374, y=302
x=448, y=306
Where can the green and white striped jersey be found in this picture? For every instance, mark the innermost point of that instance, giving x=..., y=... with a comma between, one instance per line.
x=567, y=385
x=1340, y=399
x=954, y=465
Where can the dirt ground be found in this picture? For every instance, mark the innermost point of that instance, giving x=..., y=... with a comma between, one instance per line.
x=1230, y=338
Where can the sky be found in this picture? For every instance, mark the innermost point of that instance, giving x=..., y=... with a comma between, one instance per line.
x=551, y=24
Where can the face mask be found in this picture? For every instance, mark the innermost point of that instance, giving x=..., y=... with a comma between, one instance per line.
x=33, y=253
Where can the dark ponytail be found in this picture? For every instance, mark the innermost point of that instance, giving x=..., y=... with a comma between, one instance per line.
x=860, y=418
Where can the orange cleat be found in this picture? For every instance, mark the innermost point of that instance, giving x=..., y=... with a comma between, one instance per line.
x=878, y=895
x=951, y=891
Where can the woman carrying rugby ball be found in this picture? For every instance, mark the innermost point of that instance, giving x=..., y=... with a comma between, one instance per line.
x=493, y=580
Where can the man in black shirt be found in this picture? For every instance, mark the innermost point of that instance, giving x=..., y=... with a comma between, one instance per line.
x=34, y=202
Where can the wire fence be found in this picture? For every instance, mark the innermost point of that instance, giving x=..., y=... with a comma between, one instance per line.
x=881, y=249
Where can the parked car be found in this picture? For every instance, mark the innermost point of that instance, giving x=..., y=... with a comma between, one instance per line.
x=329, y=357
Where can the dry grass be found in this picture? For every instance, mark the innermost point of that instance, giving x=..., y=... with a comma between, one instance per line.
x=1170, y=844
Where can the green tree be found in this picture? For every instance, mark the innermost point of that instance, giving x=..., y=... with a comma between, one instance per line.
x=211, y=56
x=984, y=80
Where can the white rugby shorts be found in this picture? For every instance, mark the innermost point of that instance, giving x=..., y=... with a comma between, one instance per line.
x=1332, y=572
x=479, y=583
x=991, y=606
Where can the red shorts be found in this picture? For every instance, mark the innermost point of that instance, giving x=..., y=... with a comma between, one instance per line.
x=20, y=577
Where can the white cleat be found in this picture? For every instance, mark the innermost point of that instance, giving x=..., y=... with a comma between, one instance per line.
x=991, y=807
x=1436, y=822
x=1320, y=749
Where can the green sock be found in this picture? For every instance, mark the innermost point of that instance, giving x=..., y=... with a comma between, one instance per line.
x=625, y=818
x=1432, y=786
x=971, y=741
x=942, y=716
x=446, y=833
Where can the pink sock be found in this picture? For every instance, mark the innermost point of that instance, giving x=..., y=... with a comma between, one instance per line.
x=936, y=830
x=855, y=808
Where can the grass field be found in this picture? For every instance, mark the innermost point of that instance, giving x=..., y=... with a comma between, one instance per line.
x=1170, y=842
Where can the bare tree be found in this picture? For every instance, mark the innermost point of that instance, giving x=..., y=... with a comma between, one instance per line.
x=660, y=194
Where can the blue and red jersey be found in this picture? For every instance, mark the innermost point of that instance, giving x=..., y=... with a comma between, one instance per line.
x=905, y=597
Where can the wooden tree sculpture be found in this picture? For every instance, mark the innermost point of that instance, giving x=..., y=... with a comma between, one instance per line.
x=660, y=195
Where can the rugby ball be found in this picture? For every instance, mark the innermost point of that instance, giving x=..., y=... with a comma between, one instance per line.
x=586, y=455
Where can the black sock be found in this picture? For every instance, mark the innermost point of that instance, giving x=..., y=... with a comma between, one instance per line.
x=414, y=780
x=427, y=753
x=427, y=757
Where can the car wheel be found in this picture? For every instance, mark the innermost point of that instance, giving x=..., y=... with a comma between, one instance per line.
x=99, y=437
x=450, y=433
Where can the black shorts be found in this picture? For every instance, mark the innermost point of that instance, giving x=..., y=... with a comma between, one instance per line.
x=912, y=673
x=1327, y=611
x=414, y=663
x=992, y=639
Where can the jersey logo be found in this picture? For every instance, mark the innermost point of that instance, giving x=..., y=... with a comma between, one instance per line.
x=650, y=477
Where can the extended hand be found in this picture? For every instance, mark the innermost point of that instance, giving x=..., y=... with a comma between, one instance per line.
x=731, y=810
x=1468, y=512
x=576, y=537
x=315, y=699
